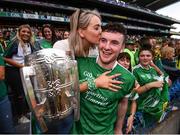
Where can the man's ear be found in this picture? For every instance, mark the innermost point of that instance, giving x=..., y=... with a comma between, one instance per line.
x=81, y=32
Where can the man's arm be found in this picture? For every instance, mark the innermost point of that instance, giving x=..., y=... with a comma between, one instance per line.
x=122, y=109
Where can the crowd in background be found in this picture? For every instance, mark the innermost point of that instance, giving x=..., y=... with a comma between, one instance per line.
x=166, y=56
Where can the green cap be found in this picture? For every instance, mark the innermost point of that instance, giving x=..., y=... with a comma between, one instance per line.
x=130, y=42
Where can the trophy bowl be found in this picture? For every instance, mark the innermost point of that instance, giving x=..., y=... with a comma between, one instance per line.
x=50, y=81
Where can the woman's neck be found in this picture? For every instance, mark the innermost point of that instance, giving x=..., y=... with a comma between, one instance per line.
x=49, y=40
x=145, y=66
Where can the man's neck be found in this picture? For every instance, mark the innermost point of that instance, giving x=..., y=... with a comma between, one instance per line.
x=106, y=66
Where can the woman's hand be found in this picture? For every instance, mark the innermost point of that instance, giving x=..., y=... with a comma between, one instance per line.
x=129, y=123
x=107, y=82
x=156, y=84
x=118, y=132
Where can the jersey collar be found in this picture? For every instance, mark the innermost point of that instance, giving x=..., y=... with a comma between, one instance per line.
x=115, y=64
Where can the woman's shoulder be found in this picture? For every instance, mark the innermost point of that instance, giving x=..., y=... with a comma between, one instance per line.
x=62, y=44
x=12, y=47
x=14, y=41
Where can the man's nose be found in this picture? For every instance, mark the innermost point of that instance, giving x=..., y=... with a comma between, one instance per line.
x=107, y=45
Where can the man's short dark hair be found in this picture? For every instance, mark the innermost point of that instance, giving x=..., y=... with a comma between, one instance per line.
x=115, y=27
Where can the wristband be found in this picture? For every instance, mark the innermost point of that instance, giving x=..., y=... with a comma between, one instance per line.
x=91, y=84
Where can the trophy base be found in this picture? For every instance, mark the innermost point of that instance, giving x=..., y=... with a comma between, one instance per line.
x=58, y=116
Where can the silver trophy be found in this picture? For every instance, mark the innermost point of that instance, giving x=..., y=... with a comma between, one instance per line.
x=50, y=81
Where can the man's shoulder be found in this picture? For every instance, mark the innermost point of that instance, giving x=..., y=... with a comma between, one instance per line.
x=123, y=69
x=124, y=72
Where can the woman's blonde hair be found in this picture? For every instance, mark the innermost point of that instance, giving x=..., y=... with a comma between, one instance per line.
x=31, y=39
x=166, y=51
x=80, y=19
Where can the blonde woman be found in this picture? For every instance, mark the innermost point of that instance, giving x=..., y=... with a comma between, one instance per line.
x=169, y=63
x=20, y=46
x=85, y=31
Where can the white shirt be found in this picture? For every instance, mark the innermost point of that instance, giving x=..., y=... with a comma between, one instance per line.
x=64, y=45
x=19, y=57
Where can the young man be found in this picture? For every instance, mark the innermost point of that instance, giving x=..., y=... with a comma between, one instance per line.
x=98, y=104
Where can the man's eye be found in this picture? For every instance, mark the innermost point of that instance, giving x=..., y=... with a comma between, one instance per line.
x=115, y=43
x=103, y=40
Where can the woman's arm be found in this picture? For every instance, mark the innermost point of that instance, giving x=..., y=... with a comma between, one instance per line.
x=131, y=116
x=122, y=109
x=12, y=62
x=149, y=86
x=156, y=68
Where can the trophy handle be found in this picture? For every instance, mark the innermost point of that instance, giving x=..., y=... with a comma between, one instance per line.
x=76, y=91
x=26, y=72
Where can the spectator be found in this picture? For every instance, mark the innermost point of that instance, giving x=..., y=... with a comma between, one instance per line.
x=129, y=48
x=6, y=118
x=65, y=34
x=153, y=93
x=156, y=63
x=20, y=46
x=58, y=33
x=169, y=63
x=3, y=45
x=39, y=36
x=7, y=35
x=124, y=59
x=168, y=55
x=49, y=38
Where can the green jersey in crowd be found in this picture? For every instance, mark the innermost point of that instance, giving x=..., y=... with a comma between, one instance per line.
x=150, y=102
x=42, y=44
x=98, y=107
x=1, y=50
x=45, y=43
x=3, y=89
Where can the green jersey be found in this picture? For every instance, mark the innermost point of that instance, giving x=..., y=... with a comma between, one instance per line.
x=150, y=102
x=1, y=50
x=98, y=107
x=45, y=44
x=3, y=90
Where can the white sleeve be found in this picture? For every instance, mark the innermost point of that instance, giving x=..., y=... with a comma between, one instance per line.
x=62, y=45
